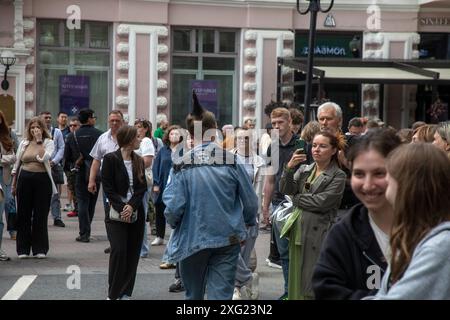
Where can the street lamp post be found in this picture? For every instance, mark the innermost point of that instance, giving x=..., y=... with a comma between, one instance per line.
x=314, y=7
x=7, y=59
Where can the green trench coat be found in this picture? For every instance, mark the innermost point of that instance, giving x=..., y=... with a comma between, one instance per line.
x=318, y=208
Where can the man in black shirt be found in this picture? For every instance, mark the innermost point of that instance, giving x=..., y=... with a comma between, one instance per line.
x=78, y=144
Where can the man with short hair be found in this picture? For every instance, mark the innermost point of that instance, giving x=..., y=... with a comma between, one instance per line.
x=162, y=124
x=55, y=164
x=329, y=115
x=79, y=144
x=355, y=127
x=209, y=222
x=297, y=120
x=106, y=143
x=279, y=252
x=62, y=124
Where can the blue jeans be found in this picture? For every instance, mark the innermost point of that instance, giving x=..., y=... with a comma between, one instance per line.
x=55, y=206
x=214, y=269
x=283, y=249
x=243, y=271
x=145, y=248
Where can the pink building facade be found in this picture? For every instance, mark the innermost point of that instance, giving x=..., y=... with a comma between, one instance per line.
x=144, y=57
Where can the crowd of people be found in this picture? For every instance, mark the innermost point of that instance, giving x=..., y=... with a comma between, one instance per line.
x=357, y=215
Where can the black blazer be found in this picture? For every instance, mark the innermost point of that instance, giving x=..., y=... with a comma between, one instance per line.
x=116, y=182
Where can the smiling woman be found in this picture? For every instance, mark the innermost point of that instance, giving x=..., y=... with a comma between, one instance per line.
x=353, y=257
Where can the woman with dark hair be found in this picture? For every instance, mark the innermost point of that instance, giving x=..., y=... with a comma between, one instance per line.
x=123, y=179
x=161, y=169
x=7, y=159
x=33, y=184
x=355, y=253
x=418, y=183
x=316, y=192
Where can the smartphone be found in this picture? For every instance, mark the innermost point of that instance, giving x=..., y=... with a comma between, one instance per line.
x=300, y=146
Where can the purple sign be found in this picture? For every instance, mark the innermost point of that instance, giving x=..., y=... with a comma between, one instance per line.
x=73, y=94
x=206, y=91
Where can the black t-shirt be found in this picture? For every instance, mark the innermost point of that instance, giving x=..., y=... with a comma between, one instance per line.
x=284, y=155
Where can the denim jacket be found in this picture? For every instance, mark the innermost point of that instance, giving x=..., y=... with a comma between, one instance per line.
x=209, y=202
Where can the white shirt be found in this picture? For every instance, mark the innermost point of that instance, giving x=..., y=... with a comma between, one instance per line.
x=105, y=144
x=129, y=167
x=146, y=148
x=382, y=239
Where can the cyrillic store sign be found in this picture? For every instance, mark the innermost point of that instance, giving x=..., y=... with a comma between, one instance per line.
x=326, y=46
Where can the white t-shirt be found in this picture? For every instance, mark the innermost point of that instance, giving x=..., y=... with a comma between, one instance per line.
x=129, y=167
x=146, y=148
x=382, y=239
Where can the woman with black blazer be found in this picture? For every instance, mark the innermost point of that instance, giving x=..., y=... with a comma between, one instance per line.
x=123, y=180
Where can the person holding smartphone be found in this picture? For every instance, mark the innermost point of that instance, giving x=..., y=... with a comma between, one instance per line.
x=33, y=185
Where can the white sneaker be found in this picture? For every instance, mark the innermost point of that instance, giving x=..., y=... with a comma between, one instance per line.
x=24, y=256
x=255, y=286
x=237, y=294
x=41, y=256
x=157, y=242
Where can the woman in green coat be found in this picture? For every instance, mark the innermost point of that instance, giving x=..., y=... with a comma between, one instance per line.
x=316, y=192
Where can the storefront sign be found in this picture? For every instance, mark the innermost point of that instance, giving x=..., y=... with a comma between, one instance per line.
x=326, y=46
x=206, y=91
x=434, y=21
x=73, y=94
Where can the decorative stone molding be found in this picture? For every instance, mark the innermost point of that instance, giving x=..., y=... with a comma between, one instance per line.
x=163, y=49
x=415, y=54
x=250, y=70
x=373, y=54
x=29, y=113
x=163, y=32
x=250, y=86
x=251, y=35
x=29, y=96
x=250, y=53
x=29, y=78
x=371, y=87
x=415, y=38
x=123, y=30
x=30, y=61
x=29, y=42
x=28, y=25
x=287, y=101
x=161, y=102
x=286, y=70
x=123, y=65
x=122, y=83
x=289, y=89
x=18, y=25
x=374, y=38
x=288, y=53
x=249, y=104
x=288, y=37
x=123, y=47
x=162, y=84
x=162, y=67
x=122, y=100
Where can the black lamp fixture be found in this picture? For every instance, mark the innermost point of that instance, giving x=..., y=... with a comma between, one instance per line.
x=355, y=46
x=314, y=7
x=7, y=59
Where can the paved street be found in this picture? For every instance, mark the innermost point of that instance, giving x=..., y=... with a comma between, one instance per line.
x=53, y=275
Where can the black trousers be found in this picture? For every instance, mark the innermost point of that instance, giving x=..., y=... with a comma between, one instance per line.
x=274, y=254
x=34, y=192
x=86, y=203
x=126, y=241
x=160, y=219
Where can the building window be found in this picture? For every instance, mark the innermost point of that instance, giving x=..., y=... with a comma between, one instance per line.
x=74, y=68
x=208, y=58
x=434, y=46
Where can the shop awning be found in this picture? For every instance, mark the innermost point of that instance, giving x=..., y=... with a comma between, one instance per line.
x=356, y=71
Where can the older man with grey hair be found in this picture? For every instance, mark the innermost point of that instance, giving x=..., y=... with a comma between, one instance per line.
x=329, y=115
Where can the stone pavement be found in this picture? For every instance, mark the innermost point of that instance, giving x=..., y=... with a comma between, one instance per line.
x=151, y=282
